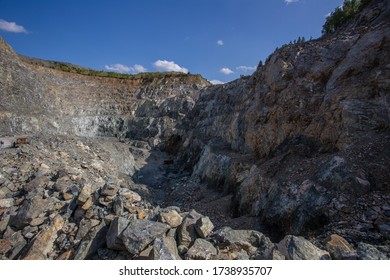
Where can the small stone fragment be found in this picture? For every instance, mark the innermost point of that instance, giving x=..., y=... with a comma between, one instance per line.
x=87, y=204
x=109, y=190
x=172, y=218
x=5, y=246
x=85, y=193
x=204, y=227
x=6, y=202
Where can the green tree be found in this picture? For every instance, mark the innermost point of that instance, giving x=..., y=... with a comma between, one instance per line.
x=344, y=14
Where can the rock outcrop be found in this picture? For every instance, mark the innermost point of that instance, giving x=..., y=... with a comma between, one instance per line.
x=52, y=101
x=288, y=163
x=304, y=142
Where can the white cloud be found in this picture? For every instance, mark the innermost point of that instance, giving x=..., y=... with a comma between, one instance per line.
x=121, y=68
x=220, y=43
x=246, y=68
x=290, y=1
x=226, y=71
x=168, y=66
x=118, y=68
x=139, y=68
x=216, y=82
x=11, y=27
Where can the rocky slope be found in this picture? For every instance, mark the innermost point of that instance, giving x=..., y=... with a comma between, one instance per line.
x=294, y=158
x=304, y=142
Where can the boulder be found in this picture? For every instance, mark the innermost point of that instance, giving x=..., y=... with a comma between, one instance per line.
x=117, y=226
x=171, y=218
x=140, y=233
x=94, y=240
x=298, y=248
x=339, y=248
x=201, y=250
x=165, y=248
x=30, y=209
x=186, y=232
x=369, y=252
x=204, y=227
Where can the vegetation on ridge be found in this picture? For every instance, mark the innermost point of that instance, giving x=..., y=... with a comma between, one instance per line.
x=71, y=68
x=343, y=14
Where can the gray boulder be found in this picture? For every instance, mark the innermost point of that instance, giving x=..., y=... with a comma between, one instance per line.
x=298, y=248
x=140, y=233
x=201, y=250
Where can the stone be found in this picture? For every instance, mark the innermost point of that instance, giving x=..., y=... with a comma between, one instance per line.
x=204, y=227
x=146, y=254
x=130, y=196
x=140, y=233
x=339, y=248
x=37, y=221
x=67, y=255
x=30, y=209
x=18, y=244
x=266, y=250
x=201, y=250
x=37, y=183
x=171, y=218
x=4, y=223
x=105, y=201
x=25, y=167
x=257, y=245
x=113, y=240
x=231, y=252
x=238, y=237
x=6, y=202
x=298, y=248
x=84, y=227
x=118, y=206
x=186, y=233
x=109, y=190
x=87, y=204
x=5, y=246
x=58, y=222
x=42, y=244
x=369, y=252
x=165, y=248
x=4, y=192
x=94, y=240
x=67, y=196
x=85, y=193
x=141, y=214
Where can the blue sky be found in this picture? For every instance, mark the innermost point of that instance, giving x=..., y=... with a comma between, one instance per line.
x=219, y=39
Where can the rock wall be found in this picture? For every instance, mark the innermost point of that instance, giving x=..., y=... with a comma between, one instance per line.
x=40, y=99
x=307, y=135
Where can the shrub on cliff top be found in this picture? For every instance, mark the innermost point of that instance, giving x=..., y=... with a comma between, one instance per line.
x=343, y=14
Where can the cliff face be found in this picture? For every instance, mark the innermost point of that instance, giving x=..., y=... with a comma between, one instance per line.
x=40, y=99
x=307, y=135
